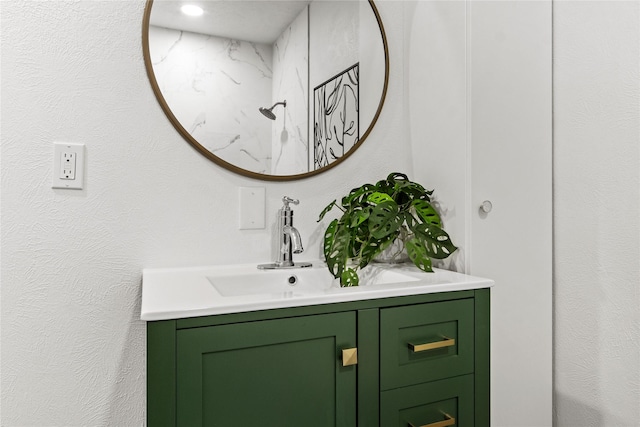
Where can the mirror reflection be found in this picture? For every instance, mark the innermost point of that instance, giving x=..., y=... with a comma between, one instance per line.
x=269, y=89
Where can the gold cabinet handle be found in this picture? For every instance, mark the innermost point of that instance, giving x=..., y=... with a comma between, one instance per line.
x=446, y=342
x=349, y=356
x=449, y=421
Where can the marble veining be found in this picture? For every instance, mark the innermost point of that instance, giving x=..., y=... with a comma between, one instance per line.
x=290, y=81
x=214, y=87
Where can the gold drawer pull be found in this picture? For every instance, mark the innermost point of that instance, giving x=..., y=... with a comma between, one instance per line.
x=446, y=342
x=450, y=421
x=350, y=356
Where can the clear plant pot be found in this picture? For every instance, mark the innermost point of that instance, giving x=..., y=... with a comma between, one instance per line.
x=395, y=253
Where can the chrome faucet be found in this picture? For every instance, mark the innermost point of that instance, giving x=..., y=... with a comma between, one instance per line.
x=289, y=240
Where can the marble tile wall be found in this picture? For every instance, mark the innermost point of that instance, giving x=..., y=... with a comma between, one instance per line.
x=214, y=86
x=290, y=135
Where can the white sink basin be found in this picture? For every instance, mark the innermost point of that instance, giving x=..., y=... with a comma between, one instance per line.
x=174, y=293
x=292, y=282
x=298, y=281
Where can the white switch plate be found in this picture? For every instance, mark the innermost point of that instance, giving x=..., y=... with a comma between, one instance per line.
x=68, y=166
x=252, y=208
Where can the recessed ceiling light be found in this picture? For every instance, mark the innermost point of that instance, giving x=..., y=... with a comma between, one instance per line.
x=191, y=10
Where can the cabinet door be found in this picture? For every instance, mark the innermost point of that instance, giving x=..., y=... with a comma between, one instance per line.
x=281, y=372
x=436, y=404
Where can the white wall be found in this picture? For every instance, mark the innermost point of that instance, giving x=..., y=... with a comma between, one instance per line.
x=436, y=99
x=479, y=90
x=333, y=51
x=73, y=349
x=597, y=220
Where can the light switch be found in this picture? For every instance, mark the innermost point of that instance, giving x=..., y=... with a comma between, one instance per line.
x=68, y=166
x=252, y=207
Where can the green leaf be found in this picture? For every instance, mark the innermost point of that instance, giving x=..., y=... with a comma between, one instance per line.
x=329, y=238
x=417, y=192
x=349, y=277
x=384, y=220
x=357, y=196
x=326, y=210
x=336, y=247
x=395, y=176
x=360, y=217
x=377, y=198
x=436, y=241
x=418, y=254
x=427, y=213
x=384, y=186
x=408, y=220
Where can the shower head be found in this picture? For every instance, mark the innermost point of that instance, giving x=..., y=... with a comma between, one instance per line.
x=268, y=113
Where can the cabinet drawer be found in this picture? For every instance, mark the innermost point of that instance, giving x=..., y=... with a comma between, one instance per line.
x=439, y=403
x=426, y=342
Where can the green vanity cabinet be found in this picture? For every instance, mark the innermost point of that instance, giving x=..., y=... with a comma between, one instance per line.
x=439, y=403
x=421, y=360
x=273, y=372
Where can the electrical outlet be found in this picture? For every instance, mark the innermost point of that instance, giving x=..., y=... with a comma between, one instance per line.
x=68, y=166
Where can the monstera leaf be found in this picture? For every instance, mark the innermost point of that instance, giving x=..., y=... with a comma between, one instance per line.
x=418, y=254
x=336, y=246
x=373, y=217
x=427, y=213
x=436, y=241
x=349, y=277
x=326, y=210
x=384, y=219
x=357, y=196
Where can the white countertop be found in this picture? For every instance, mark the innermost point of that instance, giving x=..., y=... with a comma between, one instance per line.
x=173, y=293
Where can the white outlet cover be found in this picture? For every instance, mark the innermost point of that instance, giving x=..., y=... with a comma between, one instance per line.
x=252, y=208
x=74, y=181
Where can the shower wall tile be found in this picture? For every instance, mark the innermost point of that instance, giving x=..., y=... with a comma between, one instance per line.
x=290, y=142
x=214, y=87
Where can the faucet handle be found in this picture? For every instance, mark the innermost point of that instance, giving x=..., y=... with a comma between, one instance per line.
x=286, y=200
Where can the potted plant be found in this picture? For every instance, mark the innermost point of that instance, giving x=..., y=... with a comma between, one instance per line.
x=373, y=217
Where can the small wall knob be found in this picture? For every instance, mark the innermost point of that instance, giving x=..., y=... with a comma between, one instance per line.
x=486, y=206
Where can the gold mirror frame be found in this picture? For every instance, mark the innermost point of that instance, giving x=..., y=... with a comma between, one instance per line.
x=231, y=167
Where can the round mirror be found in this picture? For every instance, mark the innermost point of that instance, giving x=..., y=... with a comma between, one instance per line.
x=273, y=90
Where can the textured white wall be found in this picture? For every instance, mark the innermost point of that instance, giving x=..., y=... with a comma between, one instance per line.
x=596, y=220
x=73, y=349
